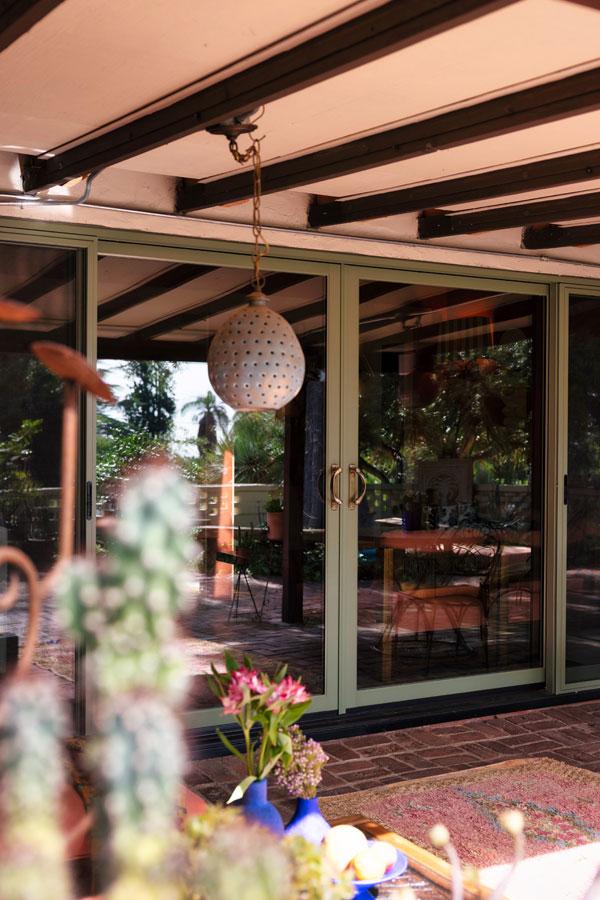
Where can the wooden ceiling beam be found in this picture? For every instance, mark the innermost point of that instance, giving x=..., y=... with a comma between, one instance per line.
x=277, y=281
x=577, y=206
x=530, y=176
x=17, y=17
x=525, y=108
x=380, y=31
x=56, y=274
x=167, y=351
x=543, y=237
x=166, y=280
x=502, y=315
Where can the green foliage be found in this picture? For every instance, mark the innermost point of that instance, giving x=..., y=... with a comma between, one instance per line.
x=313, y=877
x=274, y=505
x=31, y=388
x=229, y=858
x=149, y=405
x=120, y=453
x=17, y=488
x=258, y=445
x=475, y=410
x=32, y=724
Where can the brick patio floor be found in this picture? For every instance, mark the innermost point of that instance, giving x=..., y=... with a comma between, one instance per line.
x=569, y=733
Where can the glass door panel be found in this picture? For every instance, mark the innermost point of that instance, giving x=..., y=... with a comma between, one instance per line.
x=450, y=447
x=583, y=511
x=259, y=477
x=30, y=439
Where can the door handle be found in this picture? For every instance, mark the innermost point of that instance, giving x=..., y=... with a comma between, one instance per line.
x=334, y=475
x=354, y=475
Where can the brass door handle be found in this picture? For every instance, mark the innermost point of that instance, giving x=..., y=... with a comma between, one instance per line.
x=334, y=499
x=354, y=474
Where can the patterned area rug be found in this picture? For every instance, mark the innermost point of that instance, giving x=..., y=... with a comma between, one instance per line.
x=560, y=803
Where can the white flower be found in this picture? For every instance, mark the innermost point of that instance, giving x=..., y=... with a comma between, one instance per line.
x=512, y=821
x=439, y=836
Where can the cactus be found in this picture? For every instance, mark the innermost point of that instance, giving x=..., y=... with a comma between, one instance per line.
x=230, y=858
x=32, y=863
x=124, y=609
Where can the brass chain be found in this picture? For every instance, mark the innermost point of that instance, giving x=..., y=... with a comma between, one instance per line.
x=261, y=245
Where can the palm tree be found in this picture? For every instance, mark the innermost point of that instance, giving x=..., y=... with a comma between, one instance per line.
x=212, y=416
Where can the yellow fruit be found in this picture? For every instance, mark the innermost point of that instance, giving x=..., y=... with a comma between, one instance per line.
x=369, y=865
x=386, y=852
x=342, y=843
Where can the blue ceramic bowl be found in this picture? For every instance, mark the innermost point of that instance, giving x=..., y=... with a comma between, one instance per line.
x=362, y=888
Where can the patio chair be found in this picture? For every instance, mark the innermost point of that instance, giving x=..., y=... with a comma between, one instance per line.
x=466, y=579
x=239, y=560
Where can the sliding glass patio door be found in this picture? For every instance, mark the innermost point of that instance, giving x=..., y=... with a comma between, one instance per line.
x=51, y=278
x=582, y=494
x=267, y=535
x=443, y=464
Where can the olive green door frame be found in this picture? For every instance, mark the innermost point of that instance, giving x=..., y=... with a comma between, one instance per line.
x=344, y=271
x=557, y=680
x=350, y=695
x=86, y=280
x=278, y=262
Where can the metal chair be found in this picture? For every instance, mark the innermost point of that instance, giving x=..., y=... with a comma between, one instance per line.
x=465, y=579
x=239, y=560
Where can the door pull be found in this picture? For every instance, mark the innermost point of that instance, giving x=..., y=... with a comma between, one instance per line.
x=355, y=475
x=334, y=499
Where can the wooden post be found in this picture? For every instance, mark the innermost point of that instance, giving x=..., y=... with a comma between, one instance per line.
x=223, y=581
x=293, y=510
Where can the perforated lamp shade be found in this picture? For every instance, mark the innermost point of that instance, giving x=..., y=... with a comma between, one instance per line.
x=255, y=361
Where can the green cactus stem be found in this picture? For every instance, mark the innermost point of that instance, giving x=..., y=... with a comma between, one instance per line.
x=32, y=849
x=124, y=608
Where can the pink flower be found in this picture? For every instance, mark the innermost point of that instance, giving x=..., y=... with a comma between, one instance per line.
x=240, y=679
x=249, y=678
x=232, y=705
x=289, y=691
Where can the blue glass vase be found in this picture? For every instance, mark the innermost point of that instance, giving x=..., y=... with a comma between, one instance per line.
x=256, y=808
x=307, y=820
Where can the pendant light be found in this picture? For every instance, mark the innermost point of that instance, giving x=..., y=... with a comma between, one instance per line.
x=255, y=361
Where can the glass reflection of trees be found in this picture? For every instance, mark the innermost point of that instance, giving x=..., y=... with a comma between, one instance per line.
x=471, y=406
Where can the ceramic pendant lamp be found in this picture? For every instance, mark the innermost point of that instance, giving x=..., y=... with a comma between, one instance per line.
x=255, y=361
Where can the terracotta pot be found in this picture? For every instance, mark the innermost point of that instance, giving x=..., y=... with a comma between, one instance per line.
x=275, y=525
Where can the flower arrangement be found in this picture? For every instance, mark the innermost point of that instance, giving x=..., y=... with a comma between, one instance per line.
x=271, y=705
x=302, y=775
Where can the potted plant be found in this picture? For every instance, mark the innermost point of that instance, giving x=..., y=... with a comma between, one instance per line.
x=265, y=708
x=274, y=511
x=301, y=777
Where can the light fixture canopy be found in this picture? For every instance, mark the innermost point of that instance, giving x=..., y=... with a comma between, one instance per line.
x=255, y=361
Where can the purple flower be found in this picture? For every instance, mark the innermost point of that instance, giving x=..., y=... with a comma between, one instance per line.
x=302, y=775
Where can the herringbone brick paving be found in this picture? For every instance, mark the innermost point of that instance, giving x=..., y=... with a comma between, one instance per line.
x=569, y=733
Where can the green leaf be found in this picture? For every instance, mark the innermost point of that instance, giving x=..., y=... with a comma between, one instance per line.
x=240, y=790
x=271, y=764
x=285, y=742
x=230, y=662
x=247, y=661
x=273, y=730
x=295, y=712
x=230, y=746
x=280, y=673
